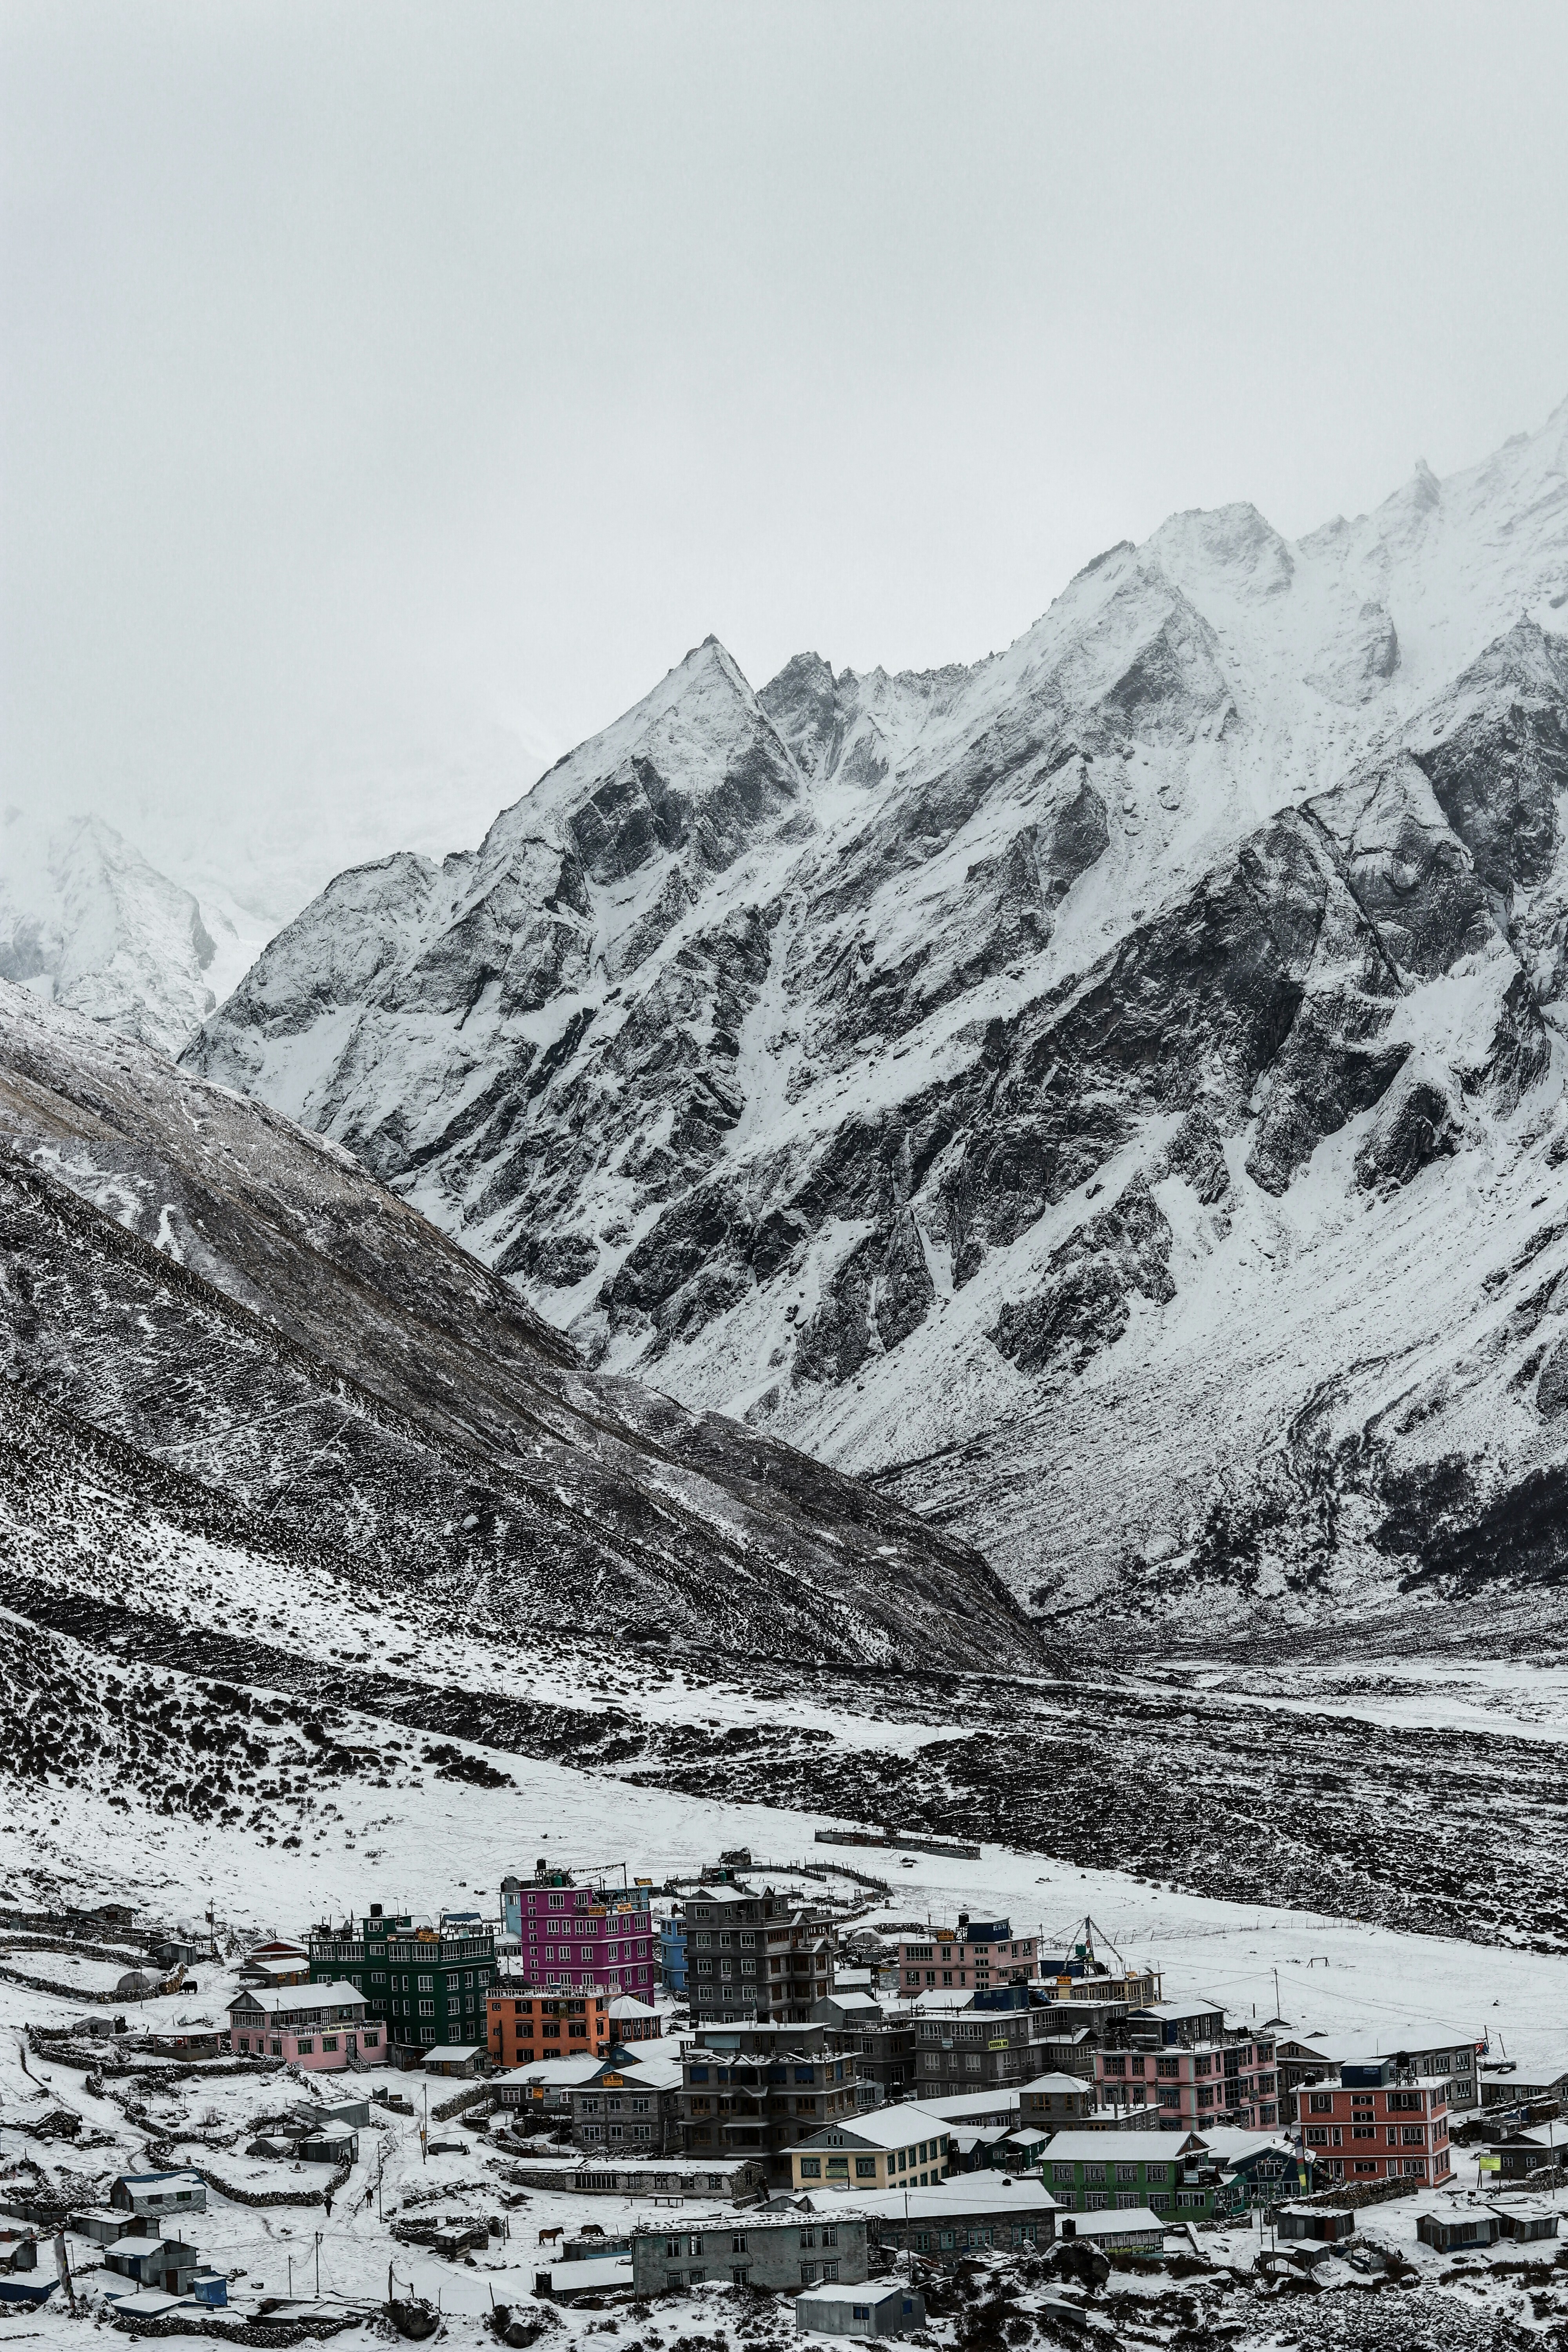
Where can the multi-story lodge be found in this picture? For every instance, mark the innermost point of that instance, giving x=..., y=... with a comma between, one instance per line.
x=317, y=2026
x=428, y=1982
x=1318, y=2058
x=1378, y=2122
x=884, y=2046
x=1191, y=2069
x=974, y=2041
x=755, y=1956
x=755, y=2090
x=890, y=2147
x=576, y=1936
x=525, y=2026
x=975, y=1954
x=631, y=2106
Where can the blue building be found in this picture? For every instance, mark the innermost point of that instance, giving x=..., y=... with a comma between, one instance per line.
x=672, y=1955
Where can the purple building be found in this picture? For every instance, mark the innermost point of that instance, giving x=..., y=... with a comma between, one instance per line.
x=580, y=1936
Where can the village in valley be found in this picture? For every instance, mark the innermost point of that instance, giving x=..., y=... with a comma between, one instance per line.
x=747, y=2102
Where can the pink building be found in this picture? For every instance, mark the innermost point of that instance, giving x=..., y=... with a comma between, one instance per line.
x=320, y=2026
x=978, y=1954
x=1230, y=2079
x=580, y=1936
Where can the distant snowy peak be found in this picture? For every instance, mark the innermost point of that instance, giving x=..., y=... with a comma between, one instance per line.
x=85, y=922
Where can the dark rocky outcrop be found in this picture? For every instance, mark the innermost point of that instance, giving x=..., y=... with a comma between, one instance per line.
x=1083, y=1303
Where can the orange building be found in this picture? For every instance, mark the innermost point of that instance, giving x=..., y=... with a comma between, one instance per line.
x=526, y=2025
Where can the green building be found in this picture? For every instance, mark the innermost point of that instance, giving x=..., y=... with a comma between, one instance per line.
x=427, y=1983
x=1182, y=2176
x=1096, y=2172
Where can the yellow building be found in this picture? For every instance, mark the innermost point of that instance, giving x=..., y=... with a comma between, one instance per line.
x=901, y=2146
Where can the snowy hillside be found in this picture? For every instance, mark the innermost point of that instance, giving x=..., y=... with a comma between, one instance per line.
x=1111, y=1094
x=85, y=922
x=223, y=1341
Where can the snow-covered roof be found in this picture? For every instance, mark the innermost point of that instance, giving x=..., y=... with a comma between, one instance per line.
x=594, y=2273
x=273, y=1999
x=1176, y=2012
x=1372, y=2050
x=451, y=2054
x=1054, y=2085
x=557, y=2073
x=1112, y=2224
x=1231, y=2145
x=871, y=2295
x=895, y=2126
x=1131, y=2146
x=660, y=2073
x=980, y=2106
x=954, y=2199
x=181, y=2177
x=627, y=2004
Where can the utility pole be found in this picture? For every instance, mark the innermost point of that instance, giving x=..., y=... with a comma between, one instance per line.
x=318, y=2265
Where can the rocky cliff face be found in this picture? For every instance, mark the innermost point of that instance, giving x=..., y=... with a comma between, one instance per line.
x=1111, y=1094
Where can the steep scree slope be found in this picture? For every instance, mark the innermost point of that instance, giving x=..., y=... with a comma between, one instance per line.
x=256, y=1328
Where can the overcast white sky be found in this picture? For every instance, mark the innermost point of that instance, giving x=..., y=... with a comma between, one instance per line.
x=394, y=392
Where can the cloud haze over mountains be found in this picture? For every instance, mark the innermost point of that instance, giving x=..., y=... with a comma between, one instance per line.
x=390, y=392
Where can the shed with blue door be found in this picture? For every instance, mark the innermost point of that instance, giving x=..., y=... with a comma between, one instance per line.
x=859, y=2312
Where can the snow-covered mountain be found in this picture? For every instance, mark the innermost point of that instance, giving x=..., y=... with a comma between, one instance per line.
x=1112, y=1093
x=85, y=922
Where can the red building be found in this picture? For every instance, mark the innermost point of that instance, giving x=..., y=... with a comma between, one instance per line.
x=526, y=2025
x=1376, y=2123
x=580, y=1935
